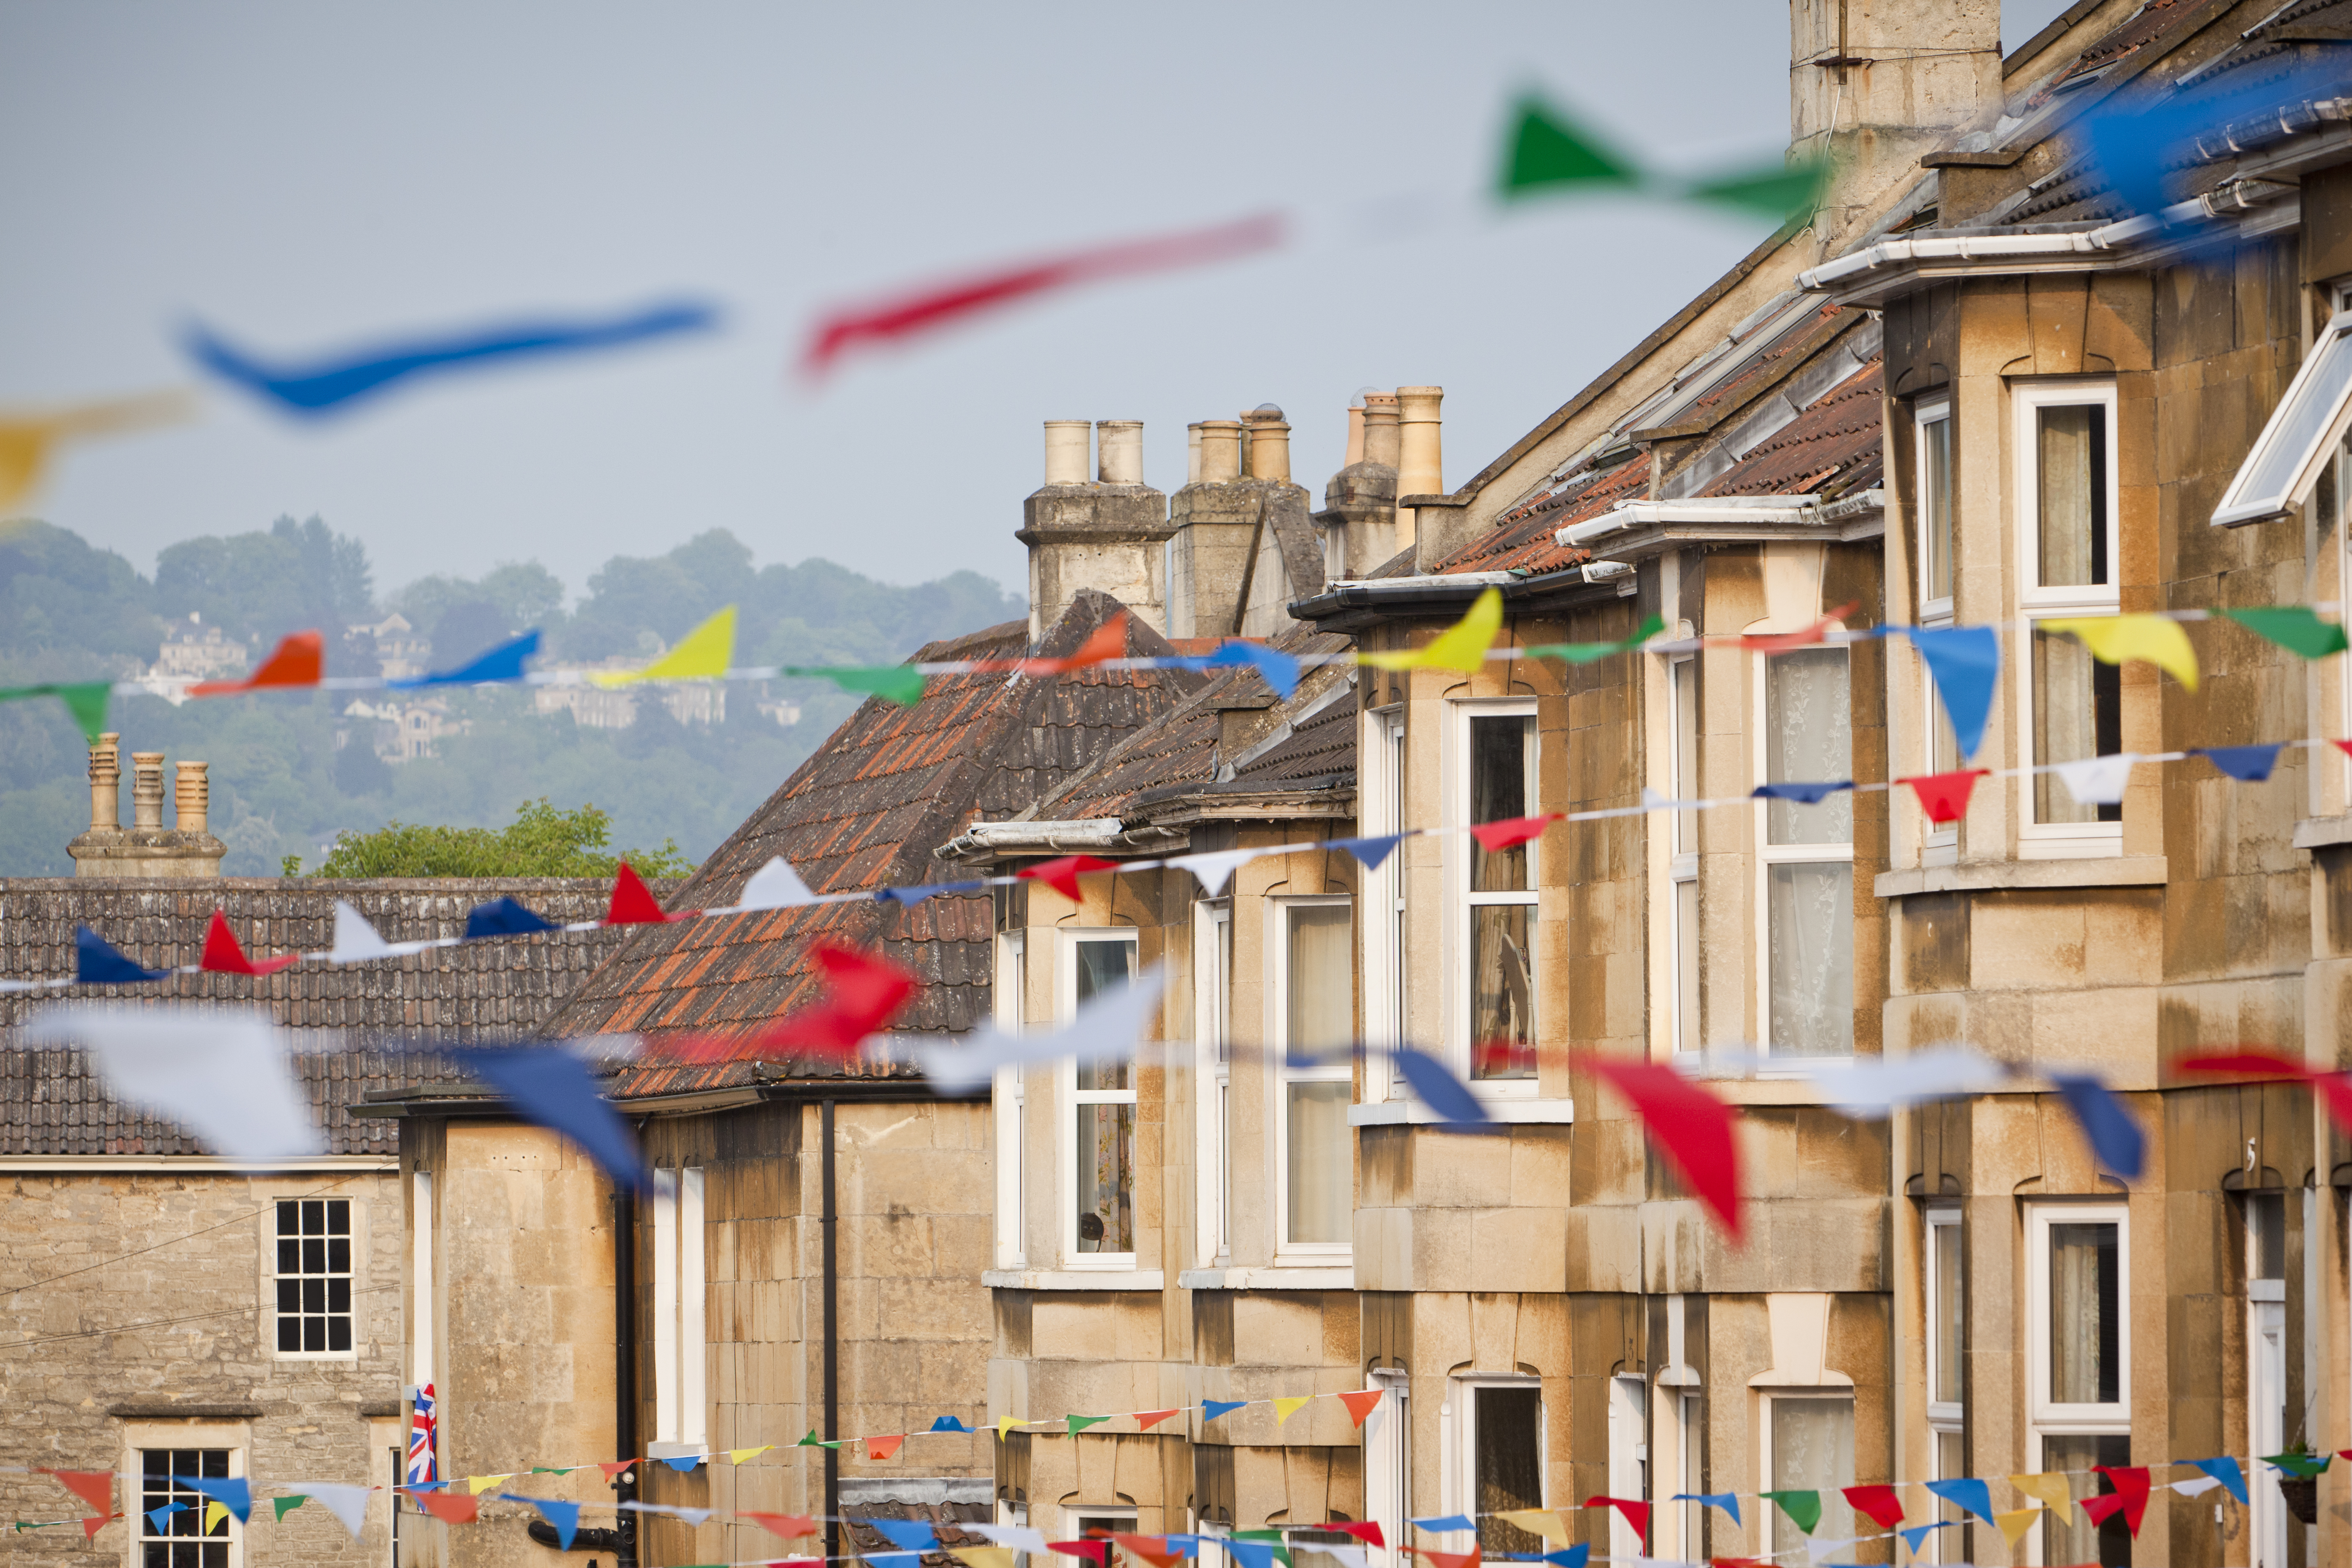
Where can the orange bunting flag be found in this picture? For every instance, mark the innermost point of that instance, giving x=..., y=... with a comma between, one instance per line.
x=300, y=659
x=613, y=1466
x=1469, y=1559
x=1152, y=1548
x=883, y=1447
x=1108, y=642
x=1061, y=875
x=1144, y=1420
x=223, y=956
x=448, y=1509
x=790, y=1526
x=91, y=1526
x=27, y=439
x=633, y=903
x=1780, y=642
x=862, y=993
x=1361, y=1404
x=95, y=1487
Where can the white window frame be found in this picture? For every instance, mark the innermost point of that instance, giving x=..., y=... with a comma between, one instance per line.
x=1009, y=1101
x=2051, y=1420
x=1942, y=1415
x=2057, y=840
x=2327, y=423
x=1460, y=845
x=1460, y=1481
x=1065, y=1006
x=1765, y=1514
x=1682, y=866
x=421, y=1228
x=1934, y=610
x=1629, y=1459
x=353, y=1218
x=1213, y=925
x=1113, y=1513
x=1287, y=1251
x=1388, y=1459
x=1379, y=810
x=680, y=1305
x=145, y=1437
x=1769, y=855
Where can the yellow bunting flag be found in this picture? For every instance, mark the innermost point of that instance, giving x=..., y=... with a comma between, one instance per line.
x=702, y=654
x=737, y=1456
x=25, y=440
x=2015, y=1525
x=1005, y=1424
x=214, y=1513
x=1541, y=1521
x=2049, y=1489
x=1462, y=646
x=2112, y=639
x=481, y=1484
x=1284, y=1409
x=984, y=1556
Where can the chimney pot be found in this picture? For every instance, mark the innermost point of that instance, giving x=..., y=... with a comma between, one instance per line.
x=191, y=795
x=1192, y=453
x=1120, y=444
x=147, y=790
x=1380, y=428
x=105, y=782
x=1355, y=435
x=1067, y=443
x=1269, y=443
x=1221, y=450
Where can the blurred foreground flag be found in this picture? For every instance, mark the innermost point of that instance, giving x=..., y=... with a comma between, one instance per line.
x=222, y=1074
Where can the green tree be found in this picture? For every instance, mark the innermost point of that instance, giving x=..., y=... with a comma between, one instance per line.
x=265, y=584
x=541, y=842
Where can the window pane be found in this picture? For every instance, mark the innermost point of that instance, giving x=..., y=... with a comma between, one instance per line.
x=2267, y=1216
x=1812, y=1451
x=2070, y=1537
x=1498, y=789
x=289, y=1217
x=1321, y=980
x=1223, y=990
x=2085, y=1315
x=2077, y=713
x=1935, y=508
x=1321, y=1195
x=1508, y=1474
x=1687, y=1035
x=1943, y=749
x=1683, y=785
x=1105, y=1178
x=1502, y=991
x=2270, y=467
x=1808, y=739
x=2074, y=496
x=1946, y=1310
x=1102, y=966
x=1810, y=910
x=1951, y=1464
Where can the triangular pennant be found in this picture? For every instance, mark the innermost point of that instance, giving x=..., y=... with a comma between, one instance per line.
x=1784, y=191
x=614, y=1467
x=449, y=1509
x=347, y=1502
x=1106, y=642
x=223, y=956
x=2116, y=1139
x=355, y=940
x=1359, y=1404
x=564, y=1516
x=2301, y=1465
x=1144, y=1420
x=1547, y=155
x=1945, y=796
x=286, y=1505
x=1214, y=868
x=1969, y=1494
x=1062, y=873
x=1274, y=1539
x=1212, y=1408
x=1803, y=793
x=1004, y=1423
x=85, y=700
x=91, y=1526
x=503, y=917
x=883, y=1447
x=739, y=1456
x=2224, y=1471
x=703, y=654
x=2196, y=1485
x=1727, y=1501
x=1916, y=1535
x=1012, y=1537
x=2015, y=1523
x=160, y=1518
x=1078, y=1424
x=2049, y=1489
x=298, y=659
x=1099, y=1551
x=905, y=1535
x=774, y=886
x=2097, y=780
x=2247, y=764
x=1371, y=851
x=503, y=662
x=477, y=1485
x=1461, y=647
x=1494, y=837
x=1804, y=636
x=1284, y=1409
x=1248, y=1554
x=788, y=1526
x=215, y=1513
x=1447, y=1522
x=2113, y=640
x=554, y=1087
x=1278, y=669
x=97, y=963
x=1964, y=662
x=1691, y=1128
x=1542, y=1522
x=1152, y=1548
x=633, y=903
x=1636, y=1512
x=1588, y=652
x=1803, y=1508
x=1878, y=1503
x=2105, y=1506
x=1819, y=1550
x=1576, y=1556
x=2295, y=627
x=1367, y=1530
x=95, y=1487
x=232, y=1492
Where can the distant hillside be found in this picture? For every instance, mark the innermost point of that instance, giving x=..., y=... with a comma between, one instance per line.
x=282, y=786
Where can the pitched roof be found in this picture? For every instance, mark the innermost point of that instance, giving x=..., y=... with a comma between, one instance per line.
x=866, y=812
x=1836, y=444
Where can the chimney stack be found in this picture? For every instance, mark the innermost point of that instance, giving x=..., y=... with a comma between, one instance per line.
x=146, y=848
x=1360, y=511
x=1106, y=535
x=1229, y=571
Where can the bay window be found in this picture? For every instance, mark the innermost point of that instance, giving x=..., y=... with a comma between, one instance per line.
x=1101, y=1215
x=1808, y=857
x=2071, y=705
x=1315, y=1173
x=1500, y=756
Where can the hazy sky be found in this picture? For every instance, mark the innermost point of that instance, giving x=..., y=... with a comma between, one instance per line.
x=304, y=177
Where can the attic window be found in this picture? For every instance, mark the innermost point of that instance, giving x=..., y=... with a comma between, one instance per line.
x=2303, y=432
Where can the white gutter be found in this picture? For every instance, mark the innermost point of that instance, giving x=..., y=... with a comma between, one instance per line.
x=1722, y=513
x=1084, y=833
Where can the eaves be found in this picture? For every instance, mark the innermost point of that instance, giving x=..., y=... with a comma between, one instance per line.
x=1353, y=606
x=1326, y=796
x=794, y=1091
x=1635, y=529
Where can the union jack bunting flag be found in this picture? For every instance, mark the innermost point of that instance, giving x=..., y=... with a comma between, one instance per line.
x=422, y=1469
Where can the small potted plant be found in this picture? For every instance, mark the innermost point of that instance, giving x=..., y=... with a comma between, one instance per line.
x=2299, y=1473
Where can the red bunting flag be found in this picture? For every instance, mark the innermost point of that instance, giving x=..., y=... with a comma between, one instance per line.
x=790, y=1526
x=1152, y=1548
x=1367, y=1530
x=1945, y=796
x=1691, y=1125
x=1636, y=1512
x=1782, y=642
x=1099, y=1551
x=2334, y=1089
x=613, y=1466
x=862, y=993
x=2343, y=746
x=1359, y=1406
x=633, y=903
x=448, y=1509
x=1469, y=1559
x=1108, y=641
x=91, y=1526
x=883, y=1447
x=1061, y=875
x=2130, y=1494
x=1884, y=1509
x=1511, y=832
x=298, y=659
x=937, y=305
x=223, y=956
x=95, y=1487
x=1144, y=1420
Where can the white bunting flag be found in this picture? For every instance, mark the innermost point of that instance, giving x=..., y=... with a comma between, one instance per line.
x=346, y=1502
x=775, y=886
x=1109, y=1027
x=222, y=1074
x=2098, y=780
x=1214, y=868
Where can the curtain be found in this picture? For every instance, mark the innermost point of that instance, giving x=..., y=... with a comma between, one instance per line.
x=1502, y=990
x=1509, y=1476
x=1322, y=981
x=1809, y=915
x=1809, y=738
x=1812, y=1451
x=2071, y=1537
x=1321, y=1180
x=1498, y=791
x=1950, y=1339
x=1105, y=1178
x=2064, y=723
x=2085, y=1316
x=2072, y=481
x=1936, y=508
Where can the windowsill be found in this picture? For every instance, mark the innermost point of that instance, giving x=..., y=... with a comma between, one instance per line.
x=1282, y=1276
x=1982, y=876
x=2083, y=846
x=676, y=1451
x=1402, y=1112
x=1074, y=1279
x=2319, y=832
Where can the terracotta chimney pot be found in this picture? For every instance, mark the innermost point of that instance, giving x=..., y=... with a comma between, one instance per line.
x=147, y=790
x=105, y=782
x=191, y=795
x=1380, y=433
x=1221, y=450
x=1269, y=442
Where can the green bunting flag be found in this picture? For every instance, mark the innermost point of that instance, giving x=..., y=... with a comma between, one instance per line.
x=1803, y=1509
x=286, y=1505
x=1586, y=652
x=1547, y=155
x=813, y=1441
x=892, y=682
x=2301, y=1465
x=85, y=700
x=1080, y=1422
x=1777, y=190
x=2293, y=627
x=1281, y=1544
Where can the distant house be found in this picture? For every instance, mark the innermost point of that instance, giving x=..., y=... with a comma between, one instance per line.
x=400, y=648
x=602, y=708
x=404, y=728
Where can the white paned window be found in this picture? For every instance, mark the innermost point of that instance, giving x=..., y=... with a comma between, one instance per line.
x=1808, y=1446
x=420, y=1311
x=2071, y=706
x=1947, y=1311
x=1099, y=1217
x=1316, y=1176
x=1380, y=811
x=1682, y=884
x=1213, y=1035
x=679, y=1297
x=314, y=1277
x=1807, y=855
x=1010, y=1104
x=194, y=1535
x=1498, y=756
x=2079, y=1361
x=2287, y=458
x=1933, y=425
